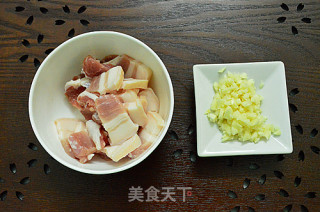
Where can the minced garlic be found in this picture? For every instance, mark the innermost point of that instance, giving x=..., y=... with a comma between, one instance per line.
x=236, y=110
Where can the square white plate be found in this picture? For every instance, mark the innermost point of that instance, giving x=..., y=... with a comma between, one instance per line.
x=274, y=106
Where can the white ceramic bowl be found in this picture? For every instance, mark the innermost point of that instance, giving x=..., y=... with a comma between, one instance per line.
x=47, y=101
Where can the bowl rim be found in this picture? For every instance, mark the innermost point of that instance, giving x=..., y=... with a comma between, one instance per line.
x=117, y=169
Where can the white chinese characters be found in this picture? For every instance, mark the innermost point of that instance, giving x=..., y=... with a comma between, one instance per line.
x=152, y=194
x=135, y=194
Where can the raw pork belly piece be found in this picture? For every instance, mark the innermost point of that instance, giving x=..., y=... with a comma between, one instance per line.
x=141, y=72
x=96, y=118
x=128, y=95
x=95, y=134
x=73, y=88
x=72, y=83
x=82, y=146
x=72, y=95
x=153, y=127
x=80, y=76
x=105, y=137
x=144, y=103
x=87, y=99
x=121, y=60
x=149, y=133
x=87, y=113
x=108, y=58
x=65, y=127
x=141, y=149
x=93, y=67
x=120, y=151
x=136, y=112
x=152, y=99
x=115, y=119
x=134, y=83
x=84, y=82
x=131, y=67
x=107, y=81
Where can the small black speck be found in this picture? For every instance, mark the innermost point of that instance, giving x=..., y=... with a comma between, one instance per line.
x=40, y=38
x=36, y=63
x=260, y=197
x=284, y=6
x=246, y=183
x=235, y=209
x=191, y=129
x=193, y=157
x=300, y=7
x=177, y=153
x=304, y=208
x=19, y=195
x=13, y=168
x=278, y=174
x=311, y=195
x=82, y=9
x=297, y=181
x=84, y=22
x=43, y=10
x=33, y=146
x=29, y=20
x=313, y=133
x=32, y=163
x=294, y=30
x=280, y=157
x=283, y=193
x=66, y=9
x=59, y=22
x=173, y=134
x=293, y=108
x=48, y=51
x=25, y=42
x=23, y=58
x=315, y=149
x=25, y=181
x=294, y=92
x=46, y=169
x=254, y=166
x=306, y=20
x=71, y=33
x=262, y=179
x=3, y=195
x=250, y=209
x=299, y=129
x=287, y=208
x=232, y=194
x=301, y=156
x=19, y=9
x=281, y=19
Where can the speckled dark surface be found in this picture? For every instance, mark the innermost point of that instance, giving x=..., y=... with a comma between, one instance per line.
x=182, y=33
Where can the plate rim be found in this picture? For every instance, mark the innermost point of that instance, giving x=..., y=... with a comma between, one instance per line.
x=201, y=153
